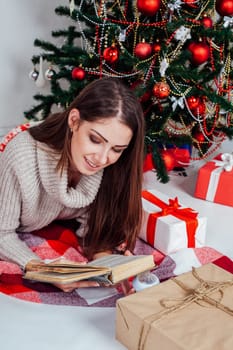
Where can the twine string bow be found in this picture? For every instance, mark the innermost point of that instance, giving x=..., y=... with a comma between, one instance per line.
x=200, y=295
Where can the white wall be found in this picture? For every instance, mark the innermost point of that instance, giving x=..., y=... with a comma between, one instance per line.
x=21, y=22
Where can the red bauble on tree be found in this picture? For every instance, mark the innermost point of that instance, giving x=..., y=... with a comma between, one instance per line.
x=169, y=159
x=207, y=22
x=143, y=50
x=190, y=3
x=148, y=7
x=111, y=54
x=198, y=138
x=200, y=109
x=156, y=47
x=200, y=52
x=161, y=90
x=78, y=73
x=224, y=7
x=193, y=102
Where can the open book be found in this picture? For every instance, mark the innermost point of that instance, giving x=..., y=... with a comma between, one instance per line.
x=108, y=269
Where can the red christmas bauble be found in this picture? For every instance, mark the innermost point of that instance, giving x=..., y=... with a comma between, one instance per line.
x=111, y=54
x=190, y=3
x=200, y=109
x=200, y=52
x=193, y=102
x=169, y=159
x=224, y=7
x=207, y=22
x=148, y=7
x=78, y=73
x=143, y=50
x=198, y=137
x=161, y=90
x=156, y=47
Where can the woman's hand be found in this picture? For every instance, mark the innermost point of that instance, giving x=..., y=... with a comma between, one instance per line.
x=69, y=287
x=125, y=285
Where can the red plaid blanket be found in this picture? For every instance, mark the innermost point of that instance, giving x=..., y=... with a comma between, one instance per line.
x=57, y=241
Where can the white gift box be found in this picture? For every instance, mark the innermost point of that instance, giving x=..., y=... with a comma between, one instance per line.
x=170, y=233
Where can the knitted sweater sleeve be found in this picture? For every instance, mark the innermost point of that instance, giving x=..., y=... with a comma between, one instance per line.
x=11, y=247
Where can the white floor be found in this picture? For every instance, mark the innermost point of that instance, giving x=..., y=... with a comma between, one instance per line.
x=29, y=326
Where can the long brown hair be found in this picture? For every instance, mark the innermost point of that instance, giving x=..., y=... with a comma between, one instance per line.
x=115, y=215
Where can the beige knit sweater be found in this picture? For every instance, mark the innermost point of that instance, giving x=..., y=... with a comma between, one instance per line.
x=33, y=194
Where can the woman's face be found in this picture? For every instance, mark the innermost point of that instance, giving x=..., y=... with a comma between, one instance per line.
x=96, y=145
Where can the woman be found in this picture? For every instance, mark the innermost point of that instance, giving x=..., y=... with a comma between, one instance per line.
x=83, y=163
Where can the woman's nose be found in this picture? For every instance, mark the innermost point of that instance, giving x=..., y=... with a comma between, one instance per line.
x=103, y=156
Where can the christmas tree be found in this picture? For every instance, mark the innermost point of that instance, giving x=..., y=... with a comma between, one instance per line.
x=176, y=56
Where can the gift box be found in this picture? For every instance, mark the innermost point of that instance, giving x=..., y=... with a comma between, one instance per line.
x=168, y=226
x=193, y=311
x=214, y=180
x=181, y=155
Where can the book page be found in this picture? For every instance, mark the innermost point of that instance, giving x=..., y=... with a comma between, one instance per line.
x=57, y=277
x=115, y=260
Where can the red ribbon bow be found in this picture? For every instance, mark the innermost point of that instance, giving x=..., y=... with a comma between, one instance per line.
x=172, y=208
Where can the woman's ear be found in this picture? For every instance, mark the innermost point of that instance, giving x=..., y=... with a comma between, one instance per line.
x=73, y=118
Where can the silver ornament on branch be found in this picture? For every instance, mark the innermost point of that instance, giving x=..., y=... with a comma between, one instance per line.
x=122, y=35
x=34, y=74
x=163, y=67
x=49, y=73
x=183, y=33
x=228, y=21
x=175, y=5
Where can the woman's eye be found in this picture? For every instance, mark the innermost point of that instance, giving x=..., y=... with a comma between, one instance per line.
x=117, y=150
x=94, y=139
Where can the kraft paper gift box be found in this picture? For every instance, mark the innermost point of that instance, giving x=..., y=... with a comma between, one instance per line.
x=191, y=312
x=168, y=226
x=214, y=181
